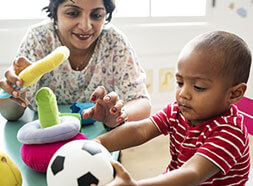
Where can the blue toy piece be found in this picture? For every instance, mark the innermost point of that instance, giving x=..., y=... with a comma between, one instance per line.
x=4, y=94
x=78, y=107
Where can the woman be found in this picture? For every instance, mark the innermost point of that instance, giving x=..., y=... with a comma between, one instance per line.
x=102, y=66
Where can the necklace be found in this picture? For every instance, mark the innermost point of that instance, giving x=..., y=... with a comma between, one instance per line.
x=85, y=60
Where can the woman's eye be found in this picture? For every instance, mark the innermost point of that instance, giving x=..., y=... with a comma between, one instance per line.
x=96, y=16
x=199, y=88
x=72, y=14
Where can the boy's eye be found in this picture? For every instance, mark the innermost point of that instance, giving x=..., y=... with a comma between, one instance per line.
x=179, y=83
x=198, y=88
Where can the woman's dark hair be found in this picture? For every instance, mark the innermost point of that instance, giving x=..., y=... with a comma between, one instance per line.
x=52, y=8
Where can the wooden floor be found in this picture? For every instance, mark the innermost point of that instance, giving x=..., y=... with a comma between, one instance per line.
x=147, y=160
x=151, y=159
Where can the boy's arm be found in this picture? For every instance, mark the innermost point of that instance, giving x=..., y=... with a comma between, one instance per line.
x=193, y=172
x=128, y=135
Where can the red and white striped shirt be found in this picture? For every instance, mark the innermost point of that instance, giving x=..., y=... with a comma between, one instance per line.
x=222, y=140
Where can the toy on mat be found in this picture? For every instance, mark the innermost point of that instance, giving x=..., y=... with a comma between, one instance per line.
x=81, y=162
x=9, y=172
x=41, y=138
x=34, y=72
x=47, y=108
x=78, y=107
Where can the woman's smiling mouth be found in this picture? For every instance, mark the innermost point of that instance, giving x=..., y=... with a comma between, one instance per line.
x=83, y=36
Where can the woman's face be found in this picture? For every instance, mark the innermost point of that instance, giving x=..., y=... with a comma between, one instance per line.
x=80, y=22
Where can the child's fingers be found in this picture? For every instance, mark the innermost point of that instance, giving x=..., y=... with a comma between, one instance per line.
x=119, y=169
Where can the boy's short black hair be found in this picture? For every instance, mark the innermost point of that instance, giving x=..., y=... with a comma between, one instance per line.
x=52, y=8
x=230, y=51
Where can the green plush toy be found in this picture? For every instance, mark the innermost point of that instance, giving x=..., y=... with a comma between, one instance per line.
x=48, y=109
x=9, y=172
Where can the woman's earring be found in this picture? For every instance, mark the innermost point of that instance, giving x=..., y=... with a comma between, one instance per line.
x=56, y=26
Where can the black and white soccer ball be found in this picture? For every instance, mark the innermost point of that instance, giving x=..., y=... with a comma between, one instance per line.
x=80, y=163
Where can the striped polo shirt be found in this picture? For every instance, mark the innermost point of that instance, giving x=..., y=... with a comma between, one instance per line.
x=222, y=140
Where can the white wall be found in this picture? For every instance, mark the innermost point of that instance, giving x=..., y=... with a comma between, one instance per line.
x=157, y=45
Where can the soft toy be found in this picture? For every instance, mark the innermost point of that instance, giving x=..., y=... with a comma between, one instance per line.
x=78, y=107
x=47, y=108
x=42, y=138
x=38, y=156
x=64, y=168
x=9, y=172
x=34, y=72
x=50, y=127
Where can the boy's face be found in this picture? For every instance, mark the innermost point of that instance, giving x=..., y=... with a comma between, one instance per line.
x=201, y=93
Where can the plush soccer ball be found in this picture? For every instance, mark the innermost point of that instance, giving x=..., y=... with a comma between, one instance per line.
x=80, y=163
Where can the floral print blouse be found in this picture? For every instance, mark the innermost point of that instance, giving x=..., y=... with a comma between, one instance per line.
x=113, y=65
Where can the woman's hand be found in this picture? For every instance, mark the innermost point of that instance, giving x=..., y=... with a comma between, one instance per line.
x=108, y=108
x=11, y=79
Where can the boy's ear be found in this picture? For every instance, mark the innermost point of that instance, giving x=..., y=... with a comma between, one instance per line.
x=237, y=92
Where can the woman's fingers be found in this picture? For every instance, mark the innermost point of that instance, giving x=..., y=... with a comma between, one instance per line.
x=20, y=64
x=108, y=108
x=98, y=94
x=12, y=78
x=116, y=108
x=19, y=101
x=123, y=117
x=111, y=98
x=88, y=113
x=8, y=87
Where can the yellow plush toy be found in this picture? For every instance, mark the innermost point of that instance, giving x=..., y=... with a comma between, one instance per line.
x=9, y=172
x=34, y=72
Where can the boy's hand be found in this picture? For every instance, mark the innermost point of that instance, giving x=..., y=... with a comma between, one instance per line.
x=122, y=176
x=11, y=79
x=108, y=108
